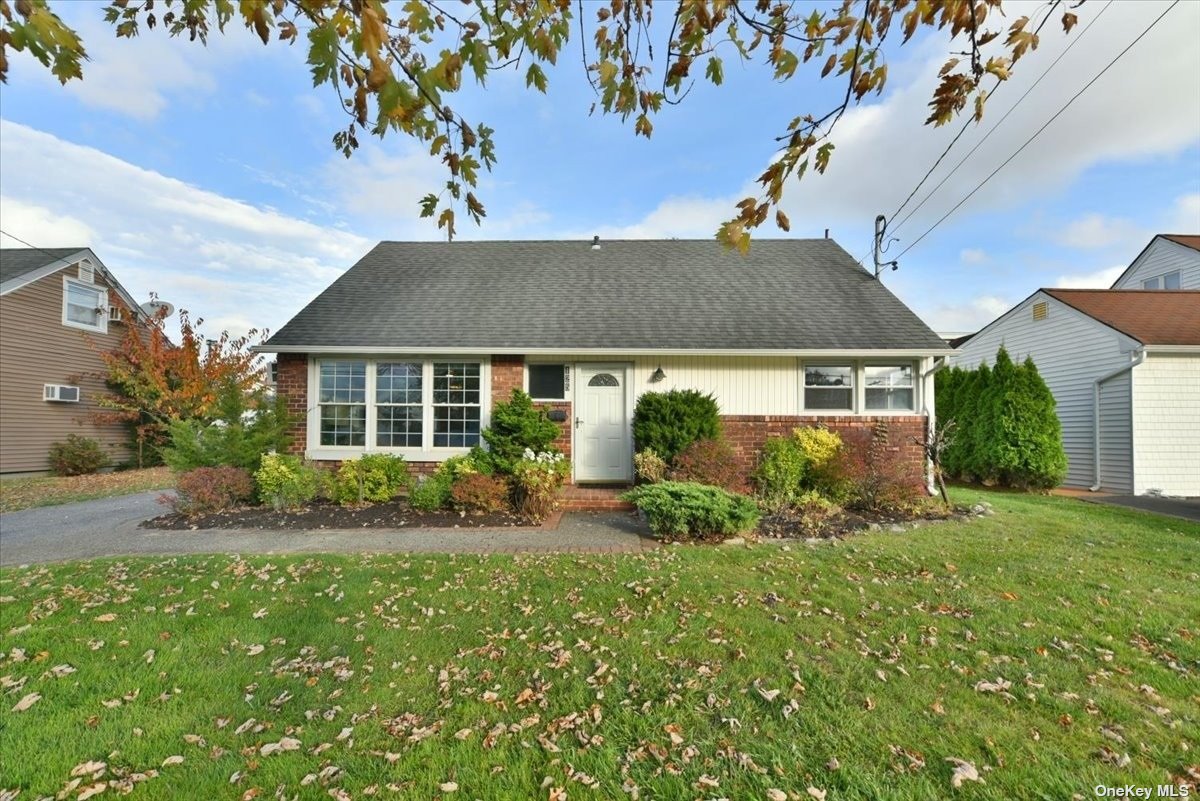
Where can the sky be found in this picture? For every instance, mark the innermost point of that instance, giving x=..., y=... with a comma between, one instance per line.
x=207, y=175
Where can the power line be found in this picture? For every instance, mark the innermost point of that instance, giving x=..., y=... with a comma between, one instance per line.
x=1037, y=133
x=967, y=125
x=34, y=247
x=992, y=130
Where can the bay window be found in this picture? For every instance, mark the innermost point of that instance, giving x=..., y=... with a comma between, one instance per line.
x=889, y=387
x=392, y=404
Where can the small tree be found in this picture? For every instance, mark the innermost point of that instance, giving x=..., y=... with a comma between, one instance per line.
x=934, y=443
x=517, y=425
x=245, y=426
x=153, y=382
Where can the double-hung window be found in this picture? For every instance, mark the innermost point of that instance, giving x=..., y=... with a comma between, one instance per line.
x=829, y=387
x=85, y=305
x=399, y=408
x=888, y=388
x=456, y=404
x=342, y=399
x=1166, y=281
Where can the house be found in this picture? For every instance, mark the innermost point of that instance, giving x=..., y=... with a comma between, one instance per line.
x=1124, y=367
x=409, y=349
x=58, y=309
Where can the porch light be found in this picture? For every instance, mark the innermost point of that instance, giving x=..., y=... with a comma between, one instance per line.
x=657, y=375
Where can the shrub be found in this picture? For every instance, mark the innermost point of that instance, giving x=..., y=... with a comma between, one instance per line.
x=667, y=422
x=517, y=425
x=212, y=489
x=286, y=482
x=708, y=461
x=682, y=510
x=537, y=479
x=476, y=492
x=431, y=493
x=650, y=467
x=246, y=426
x=373, y=477
x=781, y=471
x=868, y=474
x=77, y=456
x=818, y=445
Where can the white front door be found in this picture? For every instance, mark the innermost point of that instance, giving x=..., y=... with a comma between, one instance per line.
x=603, y=446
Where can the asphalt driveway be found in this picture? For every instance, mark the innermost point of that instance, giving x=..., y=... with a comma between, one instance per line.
x=1187, y=508
x=109, y=527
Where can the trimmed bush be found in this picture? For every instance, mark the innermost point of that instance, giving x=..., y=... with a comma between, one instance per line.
x=868, y=474
x=651, y=468
x=537, y=480
x=77, y=456
x=708, y=461
x=1006, y=429
x=667, y=422
x=818, y=445
x=372, y=478
x=286, y=482
x=431, y=493
x=679, y=511
x=516, y=426
x=477, y=493
x=781, y=471
x=212, y=489
x=245, y=427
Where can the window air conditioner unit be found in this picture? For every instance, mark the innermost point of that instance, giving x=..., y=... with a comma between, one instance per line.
x=60, y=393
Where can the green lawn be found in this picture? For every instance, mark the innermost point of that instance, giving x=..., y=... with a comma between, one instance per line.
x=25, y=493
x=857, y=668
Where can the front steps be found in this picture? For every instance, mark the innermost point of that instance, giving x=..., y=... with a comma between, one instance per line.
x=595, y=498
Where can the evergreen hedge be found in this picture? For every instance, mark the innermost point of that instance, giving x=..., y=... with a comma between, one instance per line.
x=1006, y=430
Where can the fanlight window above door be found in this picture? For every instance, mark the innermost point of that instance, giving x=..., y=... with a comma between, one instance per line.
x=604, y=380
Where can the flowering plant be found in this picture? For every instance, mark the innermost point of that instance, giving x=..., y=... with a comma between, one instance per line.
x=537, y=479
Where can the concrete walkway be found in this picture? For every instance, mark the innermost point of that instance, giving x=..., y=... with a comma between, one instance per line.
x=109, y=527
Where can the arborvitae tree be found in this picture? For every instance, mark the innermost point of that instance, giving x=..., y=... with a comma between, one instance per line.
x=960, y=458
x=1041, y=462
x=995, y=449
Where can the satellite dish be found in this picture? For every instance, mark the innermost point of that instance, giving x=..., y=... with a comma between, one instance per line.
x=154, y=308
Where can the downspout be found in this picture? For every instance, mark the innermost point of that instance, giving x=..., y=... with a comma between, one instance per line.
x=1139, y=356
x=940, y=363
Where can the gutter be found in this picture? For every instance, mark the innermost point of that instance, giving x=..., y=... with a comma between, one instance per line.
x=1138, y=357
x=349, y=350
x=940, y=363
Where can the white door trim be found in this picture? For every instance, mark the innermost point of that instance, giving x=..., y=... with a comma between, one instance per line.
x=626, y=371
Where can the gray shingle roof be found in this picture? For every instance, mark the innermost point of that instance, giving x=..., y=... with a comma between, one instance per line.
x=794, y=294
x=15, y=262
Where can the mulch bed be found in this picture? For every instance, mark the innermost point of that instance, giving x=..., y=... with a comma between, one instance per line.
x=790, y=523
x=393, y=514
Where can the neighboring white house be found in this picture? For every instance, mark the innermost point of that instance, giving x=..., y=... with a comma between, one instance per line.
x=1124, y=367
x=1170, y=261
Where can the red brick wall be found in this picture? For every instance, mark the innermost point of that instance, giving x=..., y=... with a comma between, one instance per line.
x=508, y=373
x=748, y=433
x=291, y=382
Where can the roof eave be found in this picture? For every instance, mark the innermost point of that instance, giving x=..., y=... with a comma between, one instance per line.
x=511, y=351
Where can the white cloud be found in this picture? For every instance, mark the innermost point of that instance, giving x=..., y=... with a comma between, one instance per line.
x=1093, y=231
x=972, y=256
x=1100, y=279
x=967, y=317
x=41, y=227
x=230, y=261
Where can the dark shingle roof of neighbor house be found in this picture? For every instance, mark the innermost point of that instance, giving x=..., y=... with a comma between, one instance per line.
x=15, y=262
x=796, y=294
x=1151, y=316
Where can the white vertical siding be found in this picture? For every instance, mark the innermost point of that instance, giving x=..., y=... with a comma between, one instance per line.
x=1071, y=351
x=1163, y=256
x=1166, y=424
x=742, y=385
x=1116, y=435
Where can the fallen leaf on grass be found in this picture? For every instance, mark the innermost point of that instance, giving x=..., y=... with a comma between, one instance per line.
x=106, y=618
x=816, y=793
x=448, y=787
x=172, y=760
x=92, y=790
x=27, y=702
x=963, y=772
x=88, y=769
x=775, y=794
x=285, y=744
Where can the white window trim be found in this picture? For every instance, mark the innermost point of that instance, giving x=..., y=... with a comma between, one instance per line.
x=568, y=376
x=101, y=326
x=860, y=390
x=1161, y=278
x=425, y=453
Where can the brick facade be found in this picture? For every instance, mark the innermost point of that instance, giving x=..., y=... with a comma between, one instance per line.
x=508, y=373
x=291, y=383
x=748, y=433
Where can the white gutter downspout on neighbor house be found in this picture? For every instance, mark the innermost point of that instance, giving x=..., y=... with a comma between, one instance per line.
x=1139, y=356
x=940, y=362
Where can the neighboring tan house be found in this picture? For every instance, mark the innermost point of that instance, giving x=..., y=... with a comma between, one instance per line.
x=58, y=309
x=1124, y=367
x=407, y=352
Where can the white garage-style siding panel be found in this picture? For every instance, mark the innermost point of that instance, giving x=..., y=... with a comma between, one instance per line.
x=1116, y=435
x=1166, y=424
x=1163, y=256
x=1071, y=350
